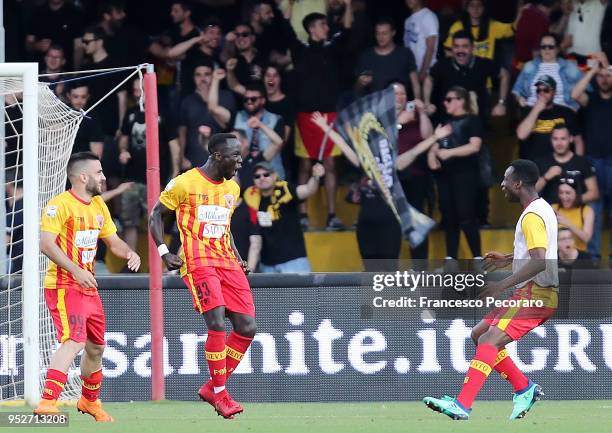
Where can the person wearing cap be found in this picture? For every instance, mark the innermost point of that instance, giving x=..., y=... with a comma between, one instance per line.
x=534, y=131
x=565, y=74
x=274, y=207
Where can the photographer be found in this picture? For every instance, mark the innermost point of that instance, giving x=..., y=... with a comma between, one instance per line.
x=455, y=161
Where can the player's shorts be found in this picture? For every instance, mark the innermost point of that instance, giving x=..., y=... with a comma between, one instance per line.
x=517, y=321
x=76, y=316
x=213, y=287
x=309, y=137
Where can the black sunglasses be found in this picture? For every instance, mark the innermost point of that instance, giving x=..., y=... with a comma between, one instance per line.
x=251, y=99
x=543, y=90
x=548, y=47
x=259, y=176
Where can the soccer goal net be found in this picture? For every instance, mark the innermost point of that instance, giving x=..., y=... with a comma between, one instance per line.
x=37, y=133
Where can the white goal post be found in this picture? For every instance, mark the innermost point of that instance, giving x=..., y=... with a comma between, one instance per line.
x=28, y=73
x=39, y=133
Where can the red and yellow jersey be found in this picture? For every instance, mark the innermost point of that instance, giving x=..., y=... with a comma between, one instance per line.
x=78, y=225
x=203, y=210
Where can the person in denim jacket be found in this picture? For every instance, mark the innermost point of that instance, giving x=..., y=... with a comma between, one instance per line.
x=548, y=62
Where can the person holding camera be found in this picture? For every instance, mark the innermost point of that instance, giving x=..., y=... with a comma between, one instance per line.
x=455, y=161
x=414, y=126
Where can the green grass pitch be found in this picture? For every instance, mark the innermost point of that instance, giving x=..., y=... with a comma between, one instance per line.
x=190, y=417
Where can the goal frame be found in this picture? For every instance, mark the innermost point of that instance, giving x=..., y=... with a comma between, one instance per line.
x=31, y=264
x=30, y=295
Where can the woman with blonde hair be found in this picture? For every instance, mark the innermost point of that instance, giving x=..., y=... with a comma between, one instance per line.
x=456, y=163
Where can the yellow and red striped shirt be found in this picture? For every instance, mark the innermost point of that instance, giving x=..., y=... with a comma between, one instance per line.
x=203, y=210
x=78, y=225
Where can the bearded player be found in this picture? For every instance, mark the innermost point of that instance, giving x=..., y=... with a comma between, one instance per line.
x=71, y=225
x=203, y=200
x=534, y=274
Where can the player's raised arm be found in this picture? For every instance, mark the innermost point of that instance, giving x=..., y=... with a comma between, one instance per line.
x=49, y=248
x=120, y=249
x=156, y=227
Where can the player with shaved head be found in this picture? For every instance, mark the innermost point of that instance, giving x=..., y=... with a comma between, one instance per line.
x=204, y=199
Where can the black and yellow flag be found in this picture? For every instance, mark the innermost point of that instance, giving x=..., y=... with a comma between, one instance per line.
x=369, y=126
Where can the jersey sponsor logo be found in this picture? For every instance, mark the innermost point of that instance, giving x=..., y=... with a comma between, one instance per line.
x=86, y=238
x=88, y=256
x=213, y=214
x=229, y=200
x=213, y=231
x=51, y=211
x=100, y=220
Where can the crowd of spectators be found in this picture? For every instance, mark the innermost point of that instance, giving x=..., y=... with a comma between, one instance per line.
x=276, y=72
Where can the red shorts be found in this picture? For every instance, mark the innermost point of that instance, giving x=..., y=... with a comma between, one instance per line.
x=518, y=321
x=76, y=316
x=213, y=287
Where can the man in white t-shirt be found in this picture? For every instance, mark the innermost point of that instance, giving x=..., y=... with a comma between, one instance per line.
x=421, y=36
x=584, y=26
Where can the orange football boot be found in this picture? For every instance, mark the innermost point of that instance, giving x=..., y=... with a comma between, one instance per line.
x=94, y=408
x=47, y=407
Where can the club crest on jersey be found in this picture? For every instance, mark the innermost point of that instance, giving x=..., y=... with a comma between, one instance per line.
x=229, y=200
x=51, y=211
x=100, y=220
